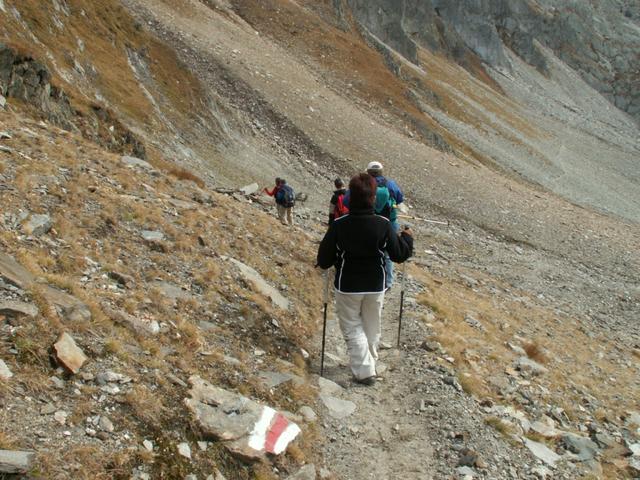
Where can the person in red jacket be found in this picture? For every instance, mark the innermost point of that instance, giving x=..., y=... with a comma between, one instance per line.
x=272, y=193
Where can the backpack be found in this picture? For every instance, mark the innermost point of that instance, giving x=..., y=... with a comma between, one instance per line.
x=286, y=196
x=341, y=209
x=385, y=203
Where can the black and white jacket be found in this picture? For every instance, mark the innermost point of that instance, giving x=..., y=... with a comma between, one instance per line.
x=355, y=245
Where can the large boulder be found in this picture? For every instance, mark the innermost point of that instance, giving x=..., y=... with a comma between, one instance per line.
x=247, y=429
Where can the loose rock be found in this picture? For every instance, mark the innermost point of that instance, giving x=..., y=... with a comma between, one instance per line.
x=68, y=354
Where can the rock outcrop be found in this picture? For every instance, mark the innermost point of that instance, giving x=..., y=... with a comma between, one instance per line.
x=600, y=40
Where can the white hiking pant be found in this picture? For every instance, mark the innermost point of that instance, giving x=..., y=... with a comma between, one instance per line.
x=360, y=317
x=285, y=215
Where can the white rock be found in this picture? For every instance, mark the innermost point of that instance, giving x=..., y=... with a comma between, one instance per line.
x=106, y=424
x=249, y=189
x=308, y=414
x=3, y=101
x=184, y=449
x=136, y=162
x=337, y=407
x=148, y=445
x=5, y=373
x=203, y=445
x=542, y=452
x=61, y=417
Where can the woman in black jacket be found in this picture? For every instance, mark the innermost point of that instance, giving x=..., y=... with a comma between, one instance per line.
x=355, y=244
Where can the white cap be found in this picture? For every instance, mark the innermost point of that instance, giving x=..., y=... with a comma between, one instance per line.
x=375, y=166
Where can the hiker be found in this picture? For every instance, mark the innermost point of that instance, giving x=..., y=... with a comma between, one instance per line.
x=355, y=244
x=337, y=208
x=285, y=200
x=388, y=197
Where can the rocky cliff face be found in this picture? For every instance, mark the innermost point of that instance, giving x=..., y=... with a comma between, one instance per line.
x=600, y=40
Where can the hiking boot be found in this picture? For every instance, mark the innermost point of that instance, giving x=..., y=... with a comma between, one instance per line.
x=369, y=381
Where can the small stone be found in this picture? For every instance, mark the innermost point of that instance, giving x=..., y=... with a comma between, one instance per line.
x=47, y=409
x=526, y=365
x=78, y=313
x=3, y=101
x=184, y=450
x=37, y=225
x=57, y=382
x=308, y=414
x=5, y=373
x=136, y=162
x=338, y=408
x=152, y=236
x=466, y=472
x=385, y=346
x=61, y=417
x=250, y=189
x=542, y=452
x=68, y=354
x=90, y=432
x=542, y=472
x=104, y=436
x=203, y=445
x=105, y=424
x=583, y=447
x=148, y=445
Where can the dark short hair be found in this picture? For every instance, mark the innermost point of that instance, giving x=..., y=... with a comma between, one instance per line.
x=362, y=188
x=283, y=181
x=338, y=182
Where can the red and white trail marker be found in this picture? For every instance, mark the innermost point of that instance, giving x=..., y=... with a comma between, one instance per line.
x=272, y=432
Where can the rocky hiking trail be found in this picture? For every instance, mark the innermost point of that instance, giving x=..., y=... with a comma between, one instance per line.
x=416, y=421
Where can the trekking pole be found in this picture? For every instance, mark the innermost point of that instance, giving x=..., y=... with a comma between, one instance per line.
x=426, y=220
x=324, y=321
x=402, y=285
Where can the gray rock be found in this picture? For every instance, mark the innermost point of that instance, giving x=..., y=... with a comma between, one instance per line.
x=261, y=284
x=328, y=387
x=12, y=461
x=184, y=449
x=239, y=423
x=308, y=414
x=542, y=473
x=14, y=273
x=78, y=313
x=105, y=424
x=171, y=291
x=15, y=308
x=68, y=354
x=542, y=452
x=5, y=135
x=634, y=465
x=635, y=449
x=5, y=373
x=37, y=225
x=530, y=367
x=136, y=162
x=152, y=236
x=308, y=472
x=583, y=447
x=273, y=379
x=337, y=407
x=466, y=472
x=3, y=102
x=250, y=189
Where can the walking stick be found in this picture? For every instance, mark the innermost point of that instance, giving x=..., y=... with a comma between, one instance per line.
x=402, y=284
x=324, y=321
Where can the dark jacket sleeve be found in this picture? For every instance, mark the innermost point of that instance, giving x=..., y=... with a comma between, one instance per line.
x=327, y=250
x=399, y=248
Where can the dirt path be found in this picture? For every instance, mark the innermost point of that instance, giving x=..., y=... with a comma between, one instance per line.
x=415, y=422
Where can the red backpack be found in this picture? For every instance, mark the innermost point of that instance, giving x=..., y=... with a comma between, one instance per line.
x=341, y=208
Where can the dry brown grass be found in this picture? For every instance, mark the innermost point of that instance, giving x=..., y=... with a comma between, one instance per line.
x=184, y=174
x=535, y=352
x=146, y=405
x=500, y=425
